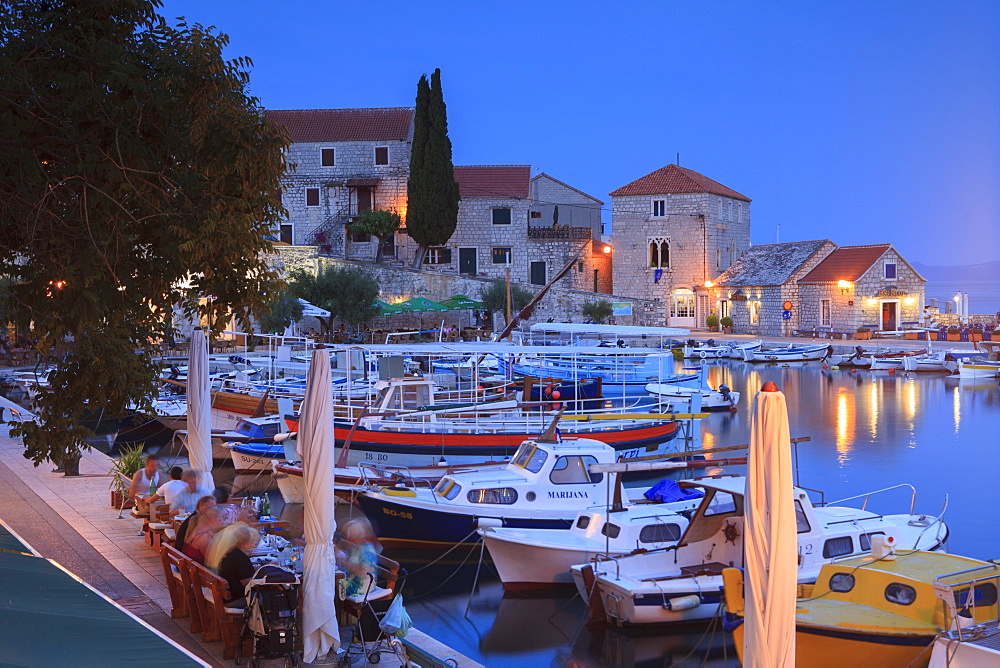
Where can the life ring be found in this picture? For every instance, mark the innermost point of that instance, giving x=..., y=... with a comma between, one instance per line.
x=702, y=354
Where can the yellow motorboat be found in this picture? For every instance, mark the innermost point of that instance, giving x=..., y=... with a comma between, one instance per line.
x=880, y=611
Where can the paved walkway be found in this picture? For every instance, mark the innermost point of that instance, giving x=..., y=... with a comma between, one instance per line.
x=71, y=521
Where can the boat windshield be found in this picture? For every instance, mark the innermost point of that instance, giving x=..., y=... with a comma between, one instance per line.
x=529, y=456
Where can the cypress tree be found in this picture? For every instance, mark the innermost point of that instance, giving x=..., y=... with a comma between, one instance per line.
x=432, y=193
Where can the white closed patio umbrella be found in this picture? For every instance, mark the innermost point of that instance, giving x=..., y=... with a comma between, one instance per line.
x=320, y=632
x=199, y=410
x=771, y=542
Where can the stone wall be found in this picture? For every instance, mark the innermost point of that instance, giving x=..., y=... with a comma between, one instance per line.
x=402, y=283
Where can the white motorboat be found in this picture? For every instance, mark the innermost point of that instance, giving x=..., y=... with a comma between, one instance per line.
x=542, y=558
x=736, y=350
x=977, y=368
x=706, y=351
x=678, y=397
x=543, y=486
x=684, y=583
x=789, y=354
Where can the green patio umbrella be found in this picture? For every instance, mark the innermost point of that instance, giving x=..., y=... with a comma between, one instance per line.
x=422, y=305
x=462, y=303
x=388, y=309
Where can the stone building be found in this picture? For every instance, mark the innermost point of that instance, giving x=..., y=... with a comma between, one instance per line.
x=870, y=286
x=562, y=208
x=756, y=288
x=673, y=231
x=816, y=287
x=341, y=162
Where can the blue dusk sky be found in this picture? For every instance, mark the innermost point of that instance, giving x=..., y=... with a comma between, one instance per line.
x=860, y=122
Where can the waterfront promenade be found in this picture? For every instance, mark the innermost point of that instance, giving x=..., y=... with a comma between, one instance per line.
x=70, y=520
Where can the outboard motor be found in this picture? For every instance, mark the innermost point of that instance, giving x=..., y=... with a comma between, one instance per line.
x=724, y=391
x=710, y=343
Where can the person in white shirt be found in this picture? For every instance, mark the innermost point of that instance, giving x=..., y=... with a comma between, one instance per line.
x=168, y=490
x=141, y=480
x=186, y=500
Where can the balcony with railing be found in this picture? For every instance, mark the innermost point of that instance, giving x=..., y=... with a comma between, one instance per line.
x=560, y=233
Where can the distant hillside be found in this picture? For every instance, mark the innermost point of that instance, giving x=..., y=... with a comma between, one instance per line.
x=985, y=271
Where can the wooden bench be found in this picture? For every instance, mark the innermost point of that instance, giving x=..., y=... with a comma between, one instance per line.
x=174, y=566
x=218, y=621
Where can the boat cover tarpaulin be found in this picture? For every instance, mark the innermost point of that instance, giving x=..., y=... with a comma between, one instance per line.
x=9, y=542
x=49, y=618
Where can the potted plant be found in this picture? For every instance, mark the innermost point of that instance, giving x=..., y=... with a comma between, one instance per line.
x=597, y=311
x=975, y=334
x=863, y=333
x=727, y=324
x=712, y=321
x=996, y=335
x=131, y=460
x=954, y=334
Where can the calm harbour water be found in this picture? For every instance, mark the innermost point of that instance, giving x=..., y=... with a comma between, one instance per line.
x=868, y=431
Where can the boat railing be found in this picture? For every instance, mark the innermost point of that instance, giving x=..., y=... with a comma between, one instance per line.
x=866, y=496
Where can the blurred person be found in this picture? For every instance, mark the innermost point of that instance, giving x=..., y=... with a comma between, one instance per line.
x=197, y=542
x=187, y=498
x=229, y=556
x=191, y=523
x=142, y=480
x=357, y=555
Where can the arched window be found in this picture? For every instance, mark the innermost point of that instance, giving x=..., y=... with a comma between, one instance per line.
x=659, y=253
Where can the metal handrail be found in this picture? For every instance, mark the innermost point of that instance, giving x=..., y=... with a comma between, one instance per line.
x=866, y=496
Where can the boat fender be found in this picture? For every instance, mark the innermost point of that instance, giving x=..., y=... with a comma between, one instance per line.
x=489, y=522
x=398, y=491
x=679, y=603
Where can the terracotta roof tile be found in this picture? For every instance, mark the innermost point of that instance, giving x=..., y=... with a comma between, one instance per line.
x=319, y=125
x=769, y=264
x=847, y=263
x=675, y=180
x=494, y=180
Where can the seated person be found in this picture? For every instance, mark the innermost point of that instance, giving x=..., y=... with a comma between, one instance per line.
x=229, y=556
x=168, y=490
x=141, y=483
x=230, y=511
x=186, y=500
x=191, y=523
x=357, y=556
x=196, y=543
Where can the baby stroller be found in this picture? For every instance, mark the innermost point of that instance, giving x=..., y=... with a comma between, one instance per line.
x=381, y=620
x=271, y=617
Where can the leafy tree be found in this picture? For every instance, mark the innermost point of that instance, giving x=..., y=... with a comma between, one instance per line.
x=494, y=296
x=135, y=174
x=432, y=192
x=598, y=311
x=279, y=312
x=379, y=224
x=348, y=294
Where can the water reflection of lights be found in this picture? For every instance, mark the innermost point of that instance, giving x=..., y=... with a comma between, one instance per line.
x=845, y=425
x=911, y=400
x=753, y=384
x=956, y=407
x=873, y=406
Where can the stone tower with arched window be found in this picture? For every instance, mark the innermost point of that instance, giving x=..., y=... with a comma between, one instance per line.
x=673, y=230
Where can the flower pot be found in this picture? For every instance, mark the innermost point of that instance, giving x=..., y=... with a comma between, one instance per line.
x=70, y=466
x=727, y=330
x=953, y=337
x=910, y=336
x=862, y=336
x=118, y=497
x=975, y=335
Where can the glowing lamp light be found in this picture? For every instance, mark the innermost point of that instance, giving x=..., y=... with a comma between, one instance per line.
x=909, y=301
x=607, y=249
x=709, y=284
x=871, y=302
